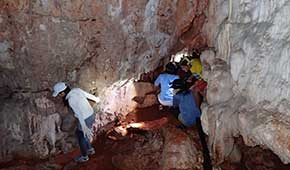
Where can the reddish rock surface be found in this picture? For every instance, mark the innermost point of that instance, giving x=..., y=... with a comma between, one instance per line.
x=89, y=44
x=140, y=149
x=150, y=149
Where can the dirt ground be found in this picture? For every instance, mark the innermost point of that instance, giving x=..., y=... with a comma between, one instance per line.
x=252, y=158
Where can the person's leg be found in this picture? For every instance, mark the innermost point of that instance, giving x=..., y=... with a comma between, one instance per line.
x=89, y=122
x=161, y=103
x=82, y=142
x=165, y=103
x=83, y=147
x=182, y=125
x=89, y=145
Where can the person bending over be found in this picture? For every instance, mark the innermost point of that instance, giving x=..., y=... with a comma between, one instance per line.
x=77, y=99
x=184, y=100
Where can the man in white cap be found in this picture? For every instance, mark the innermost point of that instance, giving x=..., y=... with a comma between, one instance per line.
x=77, y=99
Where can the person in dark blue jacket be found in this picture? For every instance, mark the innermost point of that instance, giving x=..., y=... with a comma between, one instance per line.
x=184, y=99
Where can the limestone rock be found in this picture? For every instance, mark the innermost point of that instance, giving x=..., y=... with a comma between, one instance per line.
x=89, y=44
x=169, y=148
x=125, y=97
x=49, y=131
x=26, y=133
x=249, y=37
x=179, y=151
x=246, y=37
x=68, y=123
x=236, y=155
x=268, y=129
x=220, y=84
x=149, y=100
x=220, y=122
x=144, y=154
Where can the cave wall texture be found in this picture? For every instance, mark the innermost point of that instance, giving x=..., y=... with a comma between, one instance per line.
x=100, y=45
x=87, y=43
x=248, y=72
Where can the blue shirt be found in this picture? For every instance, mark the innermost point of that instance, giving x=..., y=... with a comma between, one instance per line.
x=187, y=107
x=165, y=81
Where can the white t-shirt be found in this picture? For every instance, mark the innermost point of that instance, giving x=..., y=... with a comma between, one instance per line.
x=78, y=101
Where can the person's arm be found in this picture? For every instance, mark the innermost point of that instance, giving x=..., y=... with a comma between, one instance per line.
x=157, y=85
x=91, y=97
x=157, y=81
x=87, y=131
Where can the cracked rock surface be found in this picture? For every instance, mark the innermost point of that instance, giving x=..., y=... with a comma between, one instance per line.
x=101, y=46
x=248, y=74
x=89, y=44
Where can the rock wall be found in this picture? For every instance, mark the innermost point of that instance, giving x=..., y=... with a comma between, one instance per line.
x=90, y=44
x=248, y=73
x=101, y=45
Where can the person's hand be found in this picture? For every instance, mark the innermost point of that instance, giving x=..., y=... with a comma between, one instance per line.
x=87, y=133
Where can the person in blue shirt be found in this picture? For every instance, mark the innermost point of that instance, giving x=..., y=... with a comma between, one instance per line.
x=164, y=81
x=184, y=100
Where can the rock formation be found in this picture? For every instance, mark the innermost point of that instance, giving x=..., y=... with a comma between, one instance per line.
x=89, y=44
x=104, y=46
x=248, y=74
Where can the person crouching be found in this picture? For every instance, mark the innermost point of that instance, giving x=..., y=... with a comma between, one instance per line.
x=164, y=81
x=184, y=100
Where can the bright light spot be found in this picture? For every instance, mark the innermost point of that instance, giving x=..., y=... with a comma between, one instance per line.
x=178, y=56
x=136, y=125
x=121, y=130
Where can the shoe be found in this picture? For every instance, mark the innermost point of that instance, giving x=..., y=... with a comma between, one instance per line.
x=160, y=107
x=91, y=151
x=81, y=159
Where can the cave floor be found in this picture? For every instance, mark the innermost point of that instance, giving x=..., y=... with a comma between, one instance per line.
x=252, y=158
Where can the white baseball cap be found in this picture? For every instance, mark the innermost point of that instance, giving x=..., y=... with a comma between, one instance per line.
x=58, y=87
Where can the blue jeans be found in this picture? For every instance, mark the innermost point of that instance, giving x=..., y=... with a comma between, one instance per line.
x=85, y=143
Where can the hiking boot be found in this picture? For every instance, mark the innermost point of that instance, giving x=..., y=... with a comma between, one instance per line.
x=81, y=159
x=91, y=151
